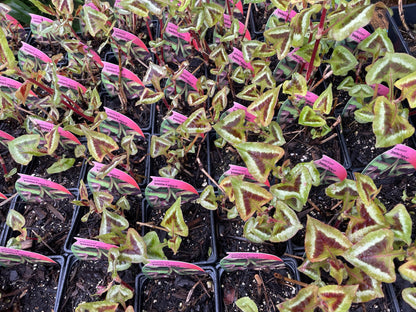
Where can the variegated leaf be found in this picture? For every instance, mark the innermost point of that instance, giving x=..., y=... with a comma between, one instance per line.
x=275, y=136
x=22, y=148
x=369, y=218
x=219, y=102
x=299, y=24
x=264, y=78
x=280, y=38
x=305, y=300
x=207, y=199
x=323, y=103
x=296, y=85
x=257, y=229
x=313, y=269
x=64, y=7
x=408, y=270
x=249, y=93
x=368, y=287
x=378, y=43
x=287, y=223
x=390, y=68
x=94, y=20
x=259, y=158
x=173, y=220
x=134, y=249
x=249, y=197
x=366, y=188
x=335, y=298
x=159, y=146
x=308, y=117
x=389, y=126
x=99, y=144
x=408, y=86
x=345, y=190
x=409, y=295
x=231, y=128
x=52, y=140
x=400, y=223
x=337, y=269
x=197, y=122
x=111, y=221
x=342, y=61
x=373, y=254
x=213, y=13
x=263, y=107
x=323, y=241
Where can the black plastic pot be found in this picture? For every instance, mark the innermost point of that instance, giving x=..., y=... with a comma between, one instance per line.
x=290, y=271
x=211, y=256
x=3, y=215
x=20, y=206
x=33, y=293
x=395, y=34
x=142, y=281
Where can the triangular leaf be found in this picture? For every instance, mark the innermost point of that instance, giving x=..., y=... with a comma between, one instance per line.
x=263, y=107
x=231, y=128
x=400, y=223
x=378, y=43
x=305, y=300
x=323, y=103
x=173, y=220
x=409, y=295
x=323, y=241
x=22, y=148
x=99, y=144
x=287, y=223
x=334, y=298
x=207, y=199
x=134, y=249
x=342, y=61
x=197, y=122
x=368, y=287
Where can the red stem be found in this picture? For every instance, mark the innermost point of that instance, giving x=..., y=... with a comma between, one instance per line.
x=3, y=165
x=64, y=97
x=317, y=41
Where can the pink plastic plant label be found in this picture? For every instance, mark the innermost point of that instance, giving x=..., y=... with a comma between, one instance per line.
x=47, y=127
x=5, y=136
x=292, y=55
x=237, y=57
x=403, y=152
x=112, y=115
x=335, y=168
x=3, y=196
x=113, y=69
x=227, y=23
x=70, y=83
x=13, y=21
x=28, y=49
x=251, y=255
x=189, y=79
x=177, y=118
x=126, y=36
x=93, y=6
x=284, y=15
x=172, y=29
x=309, y=98
x=165, y=268
x=381, y=89
x=238, y=170
x=27, y=179
x=37, y=19
x=116, y=173
x=23, y=254
x=249, y=117
x=239, y=6
x=172, y=183
x=89, y=243
x=170, y=263
x=359, y=35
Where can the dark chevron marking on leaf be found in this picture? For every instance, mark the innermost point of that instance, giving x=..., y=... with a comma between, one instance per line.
x=263, y=107
x=334, y=298
x=305, y=300
x=231, y=128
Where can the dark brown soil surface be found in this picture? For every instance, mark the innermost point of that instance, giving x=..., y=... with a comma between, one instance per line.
x=28, y=287
x=178, y=293
x=197, y=247
x=261, y=286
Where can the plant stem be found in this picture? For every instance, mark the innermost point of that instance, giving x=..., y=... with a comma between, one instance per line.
x=3, y=165
x=152, y=226
x=317, y=41
x=286, y=279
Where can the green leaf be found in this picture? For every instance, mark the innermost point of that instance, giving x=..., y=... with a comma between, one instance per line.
x=249, y=197
x=408, y=86
x=400, y=223
x=232, y=128
x=389, y=126
x=197, y=122
x=275, y=136
x=99, y=144
x=280, y=38
x=245, y=304
x=257, y=229
x=287, y=223
x=154, y=246
x=373, y=255
x=365, y=188
x=342, y=61
x=219, y=102
x=409, y=295
x=368, y=287
x=305, y=300
x=378, y=43
x=99, y=306
x=264, y=106
x=334, y=298
x=6, y=54
x=159, y=146
x=15, y=220
x=61, y=165
x=249, y=93
x=300, y=24
x=259, y=158
x=352, y=20
x=111, y=221
x=134, y=249
x=408, y=270
x=119, y=293
x=308, y=117
x=296, y=85
x=23, y=147
x=94, y=20
x=323, y=103
x=64, y=7
x=173, y=220
x=390, y=68
x=207, y=199
x=213, y=13
x=323, y=241
x=361, y=91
